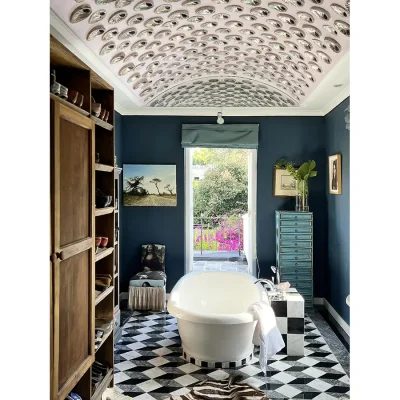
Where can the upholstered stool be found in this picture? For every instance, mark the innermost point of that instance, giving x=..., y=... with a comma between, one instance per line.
x=147, y=289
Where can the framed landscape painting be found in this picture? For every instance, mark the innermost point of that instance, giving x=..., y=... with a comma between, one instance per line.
x=284, y=183
x=335, y=174
x=149, y=185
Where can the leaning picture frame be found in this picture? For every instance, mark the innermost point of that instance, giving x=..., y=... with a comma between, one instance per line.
x=335, y=174
x=284, y=185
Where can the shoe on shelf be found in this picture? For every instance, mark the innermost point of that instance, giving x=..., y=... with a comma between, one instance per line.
x=114, y=394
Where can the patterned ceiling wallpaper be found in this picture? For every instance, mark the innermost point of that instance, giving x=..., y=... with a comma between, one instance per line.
x=215, y=53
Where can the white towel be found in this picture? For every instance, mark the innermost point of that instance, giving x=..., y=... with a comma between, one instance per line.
x=266, y=333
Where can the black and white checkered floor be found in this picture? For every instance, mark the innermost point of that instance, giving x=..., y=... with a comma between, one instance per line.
x=149, y=365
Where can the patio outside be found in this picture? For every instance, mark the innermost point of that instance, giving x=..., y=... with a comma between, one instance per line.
x=219, y=209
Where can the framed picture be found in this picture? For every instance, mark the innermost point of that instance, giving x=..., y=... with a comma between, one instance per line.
x=335, y=174
x=284, y=183
x=149, y=185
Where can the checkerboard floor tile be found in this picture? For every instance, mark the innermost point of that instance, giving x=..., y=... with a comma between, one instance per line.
x=149, y=365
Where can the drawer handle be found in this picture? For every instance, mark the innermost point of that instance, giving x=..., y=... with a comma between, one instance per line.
x=295, y=224
x=296, y=230
x=295, y=270
x=295, y=217
x=296, y=251
x=295, y=258
x=295, y=244
x=295, y=237
x=296, y=265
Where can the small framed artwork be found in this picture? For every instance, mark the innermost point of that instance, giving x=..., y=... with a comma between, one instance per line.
x=335, y=174
x=149, y=185
x=284, y=184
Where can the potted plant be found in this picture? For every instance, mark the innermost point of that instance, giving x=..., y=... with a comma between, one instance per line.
x=301, y=175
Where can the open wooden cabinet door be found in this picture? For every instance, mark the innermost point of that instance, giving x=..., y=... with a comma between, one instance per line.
x=72, y=253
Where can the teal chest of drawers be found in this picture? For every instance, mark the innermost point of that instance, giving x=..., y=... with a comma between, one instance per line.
x=294, y=251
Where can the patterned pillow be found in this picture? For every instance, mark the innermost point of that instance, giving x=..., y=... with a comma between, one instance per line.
x=153, y=257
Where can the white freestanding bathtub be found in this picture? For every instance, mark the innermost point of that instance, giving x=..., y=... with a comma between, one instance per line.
x=211, y=308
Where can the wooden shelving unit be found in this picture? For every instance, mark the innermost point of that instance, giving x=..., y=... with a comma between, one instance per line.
x=103, y=385
x=68, y=104
x=102, y=123
x=103, y=167
x=104, y=253
x=104, y=211
x=74, y=146
x=103, y=295
x=117, y=176
x=104, y=339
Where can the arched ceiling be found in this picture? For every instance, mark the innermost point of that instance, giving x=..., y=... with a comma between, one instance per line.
x=213, y=53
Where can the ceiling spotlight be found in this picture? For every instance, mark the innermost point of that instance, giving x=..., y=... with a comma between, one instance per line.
x=220, y=120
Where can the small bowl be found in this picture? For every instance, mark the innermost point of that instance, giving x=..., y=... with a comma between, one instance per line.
x=104, y=241
x=73, y=96
x=98, y=241
x=107, y=115
x=55, y=88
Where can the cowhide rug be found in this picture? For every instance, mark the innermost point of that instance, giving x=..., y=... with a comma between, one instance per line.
x=226, y=389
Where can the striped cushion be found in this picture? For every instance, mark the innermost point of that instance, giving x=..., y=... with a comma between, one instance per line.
x=226, y=389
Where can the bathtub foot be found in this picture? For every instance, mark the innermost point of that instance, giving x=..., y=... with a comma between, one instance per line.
x=217, y=364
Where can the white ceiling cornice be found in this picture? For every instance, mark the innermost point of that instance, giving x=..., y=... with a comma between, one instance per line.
x=226, y=111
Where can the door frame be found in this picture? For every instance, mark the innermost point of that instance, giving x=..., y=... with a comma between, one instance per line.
x=252, y=205
x=188, y=210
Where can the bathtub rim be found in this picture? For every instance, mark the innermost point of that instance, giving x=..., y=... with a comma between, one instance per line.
x=206, y=318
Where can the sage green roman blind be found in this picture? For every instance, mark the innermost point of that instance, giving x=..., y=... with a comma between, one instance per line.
x=240, y=136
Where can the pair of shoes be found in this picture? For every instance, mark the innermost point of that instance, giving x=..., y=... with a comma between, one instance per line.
x=113, y=394
x=73, y=396
x=103, y=281
x=98, y=365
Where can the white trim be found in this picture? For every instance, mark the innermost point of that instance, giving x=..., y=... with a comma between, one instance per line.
x=342, y=323
x=319, y=301
x=227, y=111
x=344, y=94
x=252, y=213
x=188, y=210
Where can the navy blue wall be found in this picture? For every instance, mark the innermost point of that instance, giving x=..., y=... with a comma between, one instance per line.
x=338, y=267
x=157, y=139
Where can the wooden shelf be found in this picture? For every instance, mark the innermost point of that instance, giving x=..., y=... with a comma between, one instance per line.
x=104, y=253
x=103, y=211
x=103, y=167
x=104, y=338
x=103, y=385
x=103, y=295
x=68, y=104
x=102, y=123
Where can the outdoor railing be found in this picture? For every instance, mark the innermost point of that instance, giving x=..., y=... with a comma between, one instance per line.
x=223, y=233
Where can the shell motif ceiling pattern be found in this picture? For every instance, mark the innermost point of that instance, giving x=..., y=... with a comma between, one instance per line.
x=215, y=53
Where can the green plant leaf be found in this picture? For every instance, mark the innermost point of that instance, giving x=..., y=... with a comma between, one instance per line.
x=313, y=164
x=313, y=173
x=303, y=170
